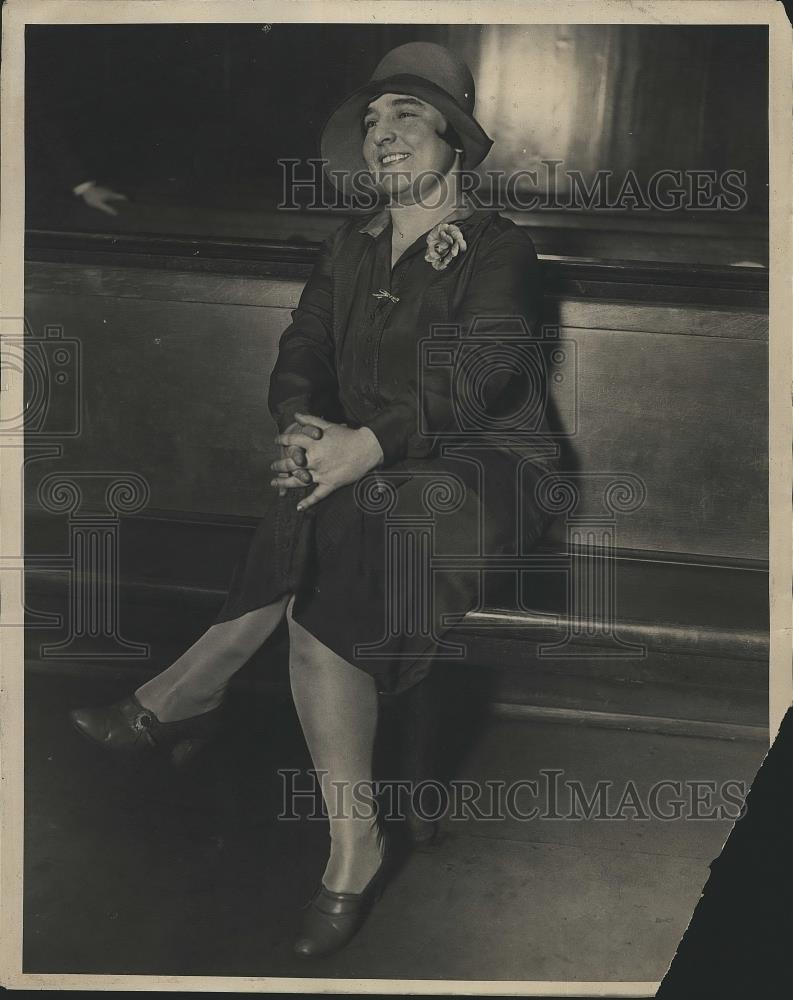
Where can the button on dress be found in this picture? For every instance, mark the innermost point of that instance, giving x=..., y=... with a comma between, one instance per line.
x=430, y=360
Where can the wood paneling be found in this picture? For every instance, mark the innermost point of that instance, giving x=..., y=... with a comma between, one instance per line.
x=176, y=392
x=687, y=415
x=176, y=367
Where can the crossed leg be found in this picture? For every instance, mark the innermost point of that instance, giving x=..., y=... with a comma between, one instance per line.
x=196, y=681
x=337, y=705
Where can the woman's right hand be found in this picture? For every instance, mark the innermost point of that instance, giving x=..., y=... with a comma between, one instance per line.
x=293, y=457
x=343, y=456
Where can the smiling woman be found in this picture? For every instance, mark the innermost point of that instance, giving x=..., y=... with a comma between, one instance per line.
x=176, y=105
x=363, y=432
x=409, y=158
x=418, y=129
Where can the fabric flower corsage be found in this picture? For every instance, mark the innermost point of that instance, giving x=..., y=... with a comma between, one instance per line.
x=444, y=242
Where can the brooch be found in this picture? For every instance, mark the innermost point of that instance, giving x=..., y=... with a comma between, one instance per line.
x=383, y=294
x=444, y=242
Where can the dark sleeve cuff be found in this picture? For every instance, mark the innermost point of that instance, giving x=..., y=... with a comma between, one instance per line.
x=393, y=428
x=285, y=413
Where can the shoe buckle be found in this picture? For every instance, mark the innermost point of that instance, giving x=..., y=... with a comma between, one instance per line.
x=142, y=722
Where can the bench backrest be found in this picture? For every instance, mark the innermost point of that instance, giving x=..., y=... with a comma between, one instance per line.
x=670, y=385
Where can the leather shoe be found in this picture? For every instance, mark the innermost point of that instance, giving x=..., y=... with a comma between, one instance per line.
x=332, y=918
x=128, y=727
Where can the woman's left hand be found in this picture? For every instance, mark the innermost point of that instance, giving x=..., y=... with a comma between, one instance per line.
x=342, y=456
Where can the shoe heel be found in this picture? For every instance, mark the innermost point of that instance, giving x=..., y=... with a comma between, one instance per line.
x=184, y=752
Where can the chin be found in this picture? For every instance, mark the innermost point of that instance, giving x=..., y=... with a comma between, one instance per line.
x=396, y=186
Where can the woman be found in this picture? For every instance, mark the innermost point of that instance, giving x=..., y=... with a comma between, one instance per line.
x=363, y=428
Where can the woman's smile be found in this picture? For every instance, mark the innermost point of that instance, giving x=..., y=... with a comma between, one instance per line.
x=387, y=158
x=402, y=145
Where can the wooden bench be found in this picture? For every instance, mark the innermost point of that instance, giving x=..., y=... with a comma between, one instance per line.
x=176, y=345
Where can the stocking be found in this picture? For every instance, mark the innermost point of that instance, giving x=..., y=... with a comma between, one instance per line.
x=337, y=705
x=196, y=682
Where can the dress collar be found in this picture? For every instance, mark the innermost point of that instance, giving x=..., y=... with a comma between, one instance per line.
x=378, y=223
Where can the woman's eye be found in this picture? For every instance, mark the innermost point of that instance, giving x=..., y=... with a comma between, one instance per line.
x=368, y=125
x=406, y=114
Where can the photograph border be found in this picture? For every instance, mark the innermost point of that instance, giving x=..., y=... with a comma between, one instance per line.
x=18, y=13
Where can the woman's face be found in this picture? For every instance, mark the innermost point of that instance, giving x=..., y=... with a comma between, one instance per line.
x=402, y=146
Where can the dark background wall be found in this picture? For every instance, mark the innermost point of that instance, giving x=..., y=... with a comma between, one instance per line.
x=201, y=108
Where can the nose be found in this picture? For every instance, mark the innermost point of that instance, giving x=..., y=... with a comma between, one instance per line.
x=382, y=133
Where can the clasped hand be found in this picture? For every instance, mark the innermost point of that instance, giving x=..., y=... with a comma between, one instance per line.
x=328, y=455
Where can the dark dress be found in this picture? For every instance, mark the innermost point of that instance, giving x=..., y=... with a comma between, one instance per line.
x=444, y=370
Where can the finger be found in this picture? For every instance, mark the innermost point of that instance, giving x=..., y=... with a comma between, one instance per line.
x=323, y=490
x=306, y=418
x=285, y=468
x=108, y=209
x=288, y=440
x=116, y=196
x=283, y=465
x=298, y=455
x=315, y=433
x=284, y=480
x=283, y=483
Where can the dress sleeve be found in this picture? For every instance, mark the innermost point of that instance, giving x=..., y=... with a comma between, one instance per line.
x=304, y=376
x=504, y=286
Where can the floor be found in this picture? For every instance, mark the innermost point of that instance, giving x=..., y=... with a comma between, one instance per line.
x=136, y=869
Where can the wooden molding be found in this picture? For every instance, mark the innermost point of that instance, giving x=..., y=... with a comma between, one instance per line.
x=651, y=281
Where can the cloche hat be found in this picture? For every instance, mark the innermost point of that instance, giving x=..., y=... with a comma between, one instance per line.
x=421, y=69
